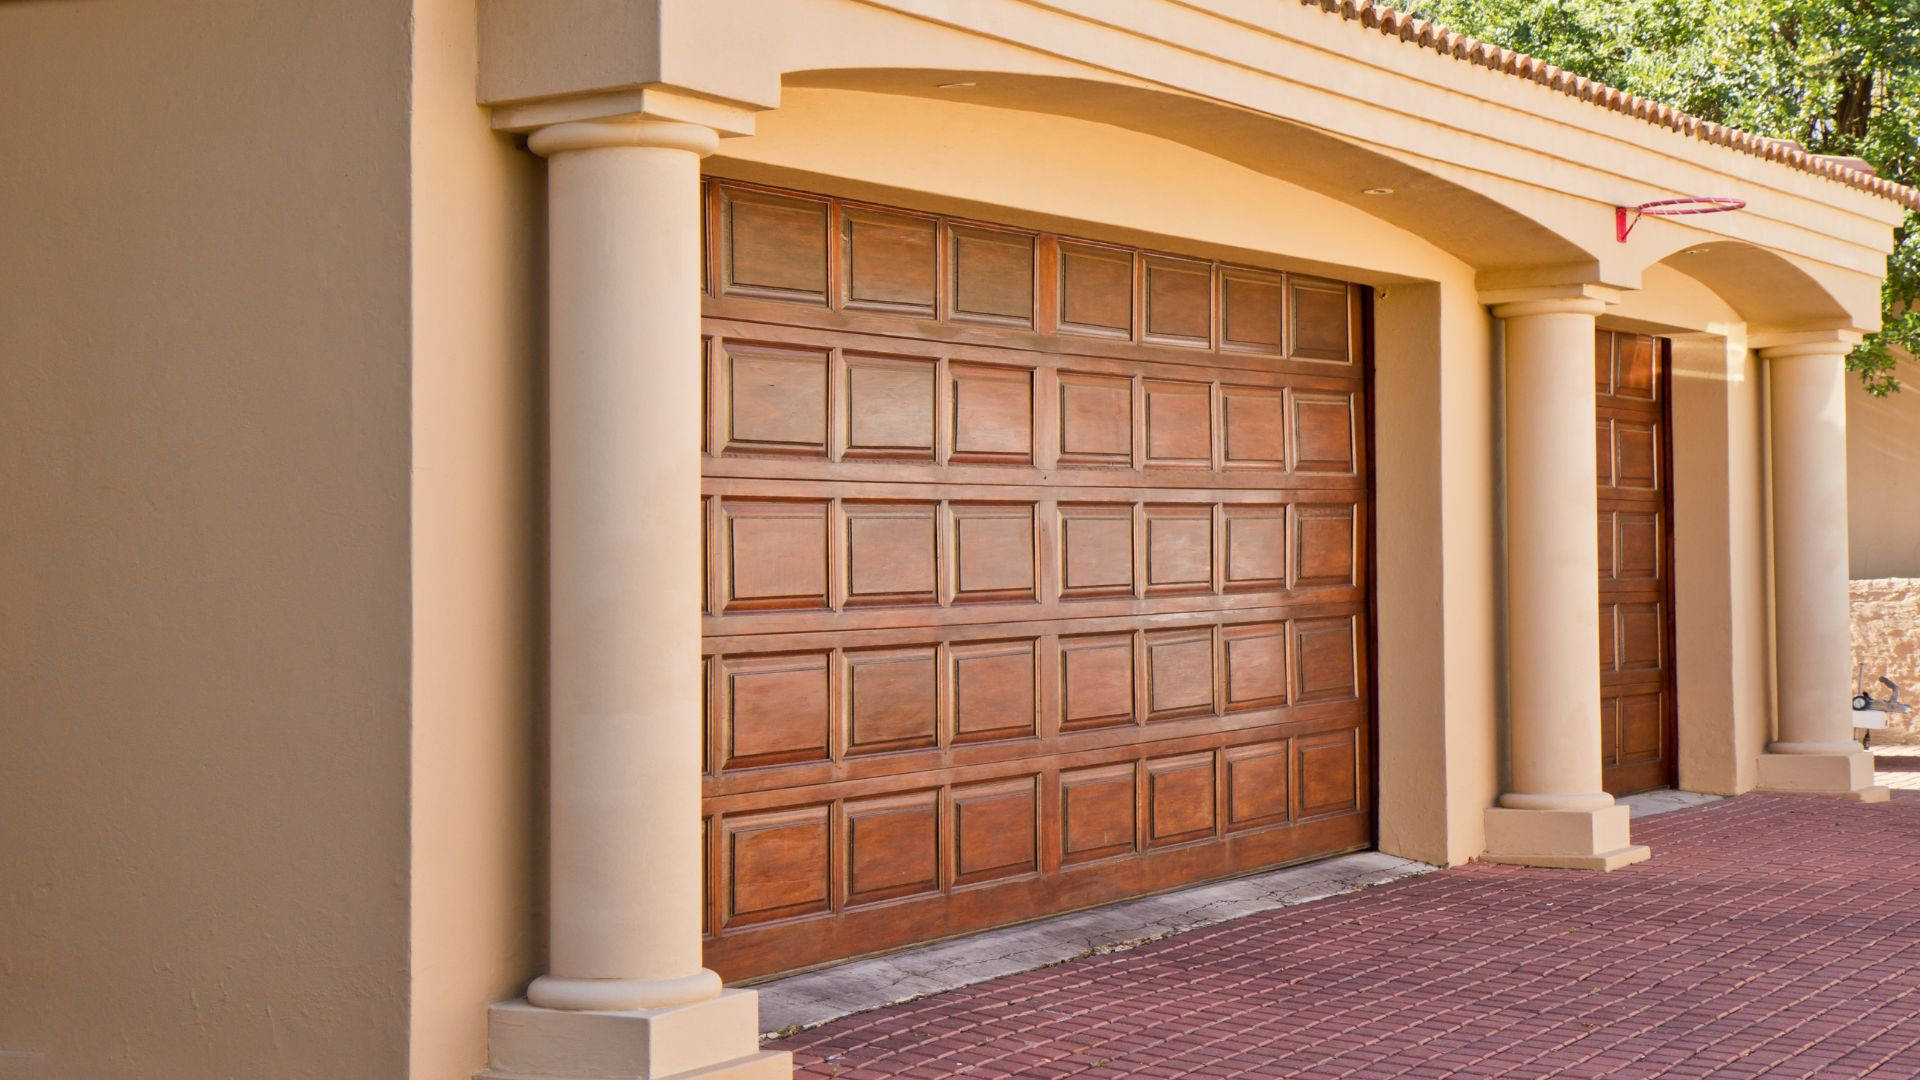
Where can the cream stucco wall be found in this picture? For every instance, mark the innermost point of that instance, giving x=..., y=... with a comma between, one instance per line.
x=1438, y=601
x=204, y=626
x=478, y=252
x=1722, y=674
x=1883, y=479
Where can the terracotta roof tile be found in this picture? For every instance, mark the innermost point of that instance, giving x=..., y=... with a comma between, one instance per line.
x=1852, y=172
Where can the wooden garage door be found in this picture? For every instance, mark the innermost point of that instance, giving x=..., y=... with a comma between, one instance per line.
x=1035, y=575
x=1636, y=610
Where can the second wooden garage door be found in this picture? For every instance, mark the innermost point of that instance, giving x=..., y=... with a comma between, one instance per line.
x=1635, y=531
x=1035, y=575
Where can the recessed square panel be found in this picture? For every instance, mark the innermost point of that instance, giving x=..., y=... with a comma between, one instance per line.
x=992, y=275
x=1319, y=320
x=1256, y=543
x=1097, y=812
x=1096, y=681
x=1257, y=785
x=1324, y=658
x=1604, y=534
x=993, y=552
x=1603, y=362
x=992, y=414
x=891, y=262
x=1640, y=636
x=890, y=553
x=774, y=709
x=1323, y=432
x=1328, y=773
x=1638, y=367
x=1252, y=308
x=1609, y=730
x=993, y=690
x=1096, y=419
x=995, y=827
x=1179, y=424
x=1096, y=289
x=776, y=400
x=1603, y=451
x=1256, y=660
x=774, y=553
x=776, y=864
x=893, y=846
x=892, y=698
x=1180, y=804
x=1096, y=549
x=775, y=246
x=1254, y=419
x=1643, y=724
x=1639, y=551
x=889, y=407
x=1609, y=638
x=1637, y=454
x=1179, y=302
x=1323, y=545
x=1179, y=673
x=706, y=393
x=1179, y=548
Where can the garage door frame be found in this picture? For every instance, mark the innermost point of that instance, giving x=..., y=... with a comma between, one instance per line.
x=791, y=305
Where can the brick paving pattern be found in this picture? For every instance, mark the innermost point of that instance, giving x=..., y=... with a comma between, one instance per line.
x=1770, y=935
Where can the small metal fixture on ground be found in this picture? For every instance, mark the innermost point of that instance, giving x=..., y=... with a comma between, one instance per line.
x=1865, y=702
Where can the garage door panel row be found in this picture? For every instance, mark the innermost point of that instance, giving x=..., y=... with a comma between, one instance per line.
x=835, y=254
x=842, y=704
x=955, y=848
x=783, y=563
x=833, y=404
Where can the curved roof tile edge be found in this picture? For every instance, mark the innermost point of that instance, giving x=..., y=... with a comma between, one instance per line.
x=1430, y=35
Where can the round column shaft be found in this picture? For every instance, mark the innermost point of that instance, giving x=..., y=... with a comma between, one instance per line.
x=1553, y=559
x=625, y=570
x=1814, y=654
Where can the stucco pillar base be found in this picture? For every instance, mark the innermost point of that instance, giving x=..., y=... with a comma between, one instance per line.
x=1849, y=775
x=715, y=1039
x=1566, y=839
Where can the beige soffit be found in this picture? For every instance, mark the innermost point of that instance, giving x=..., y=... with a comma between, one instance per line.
x=1852, y=172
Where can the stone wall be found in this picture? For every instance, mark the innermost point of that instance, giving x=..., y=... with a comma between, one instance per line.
x=1886, y=638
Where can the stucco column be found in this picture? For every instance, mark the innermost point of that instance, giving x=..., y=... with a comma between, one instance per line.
x=625, y=993
x=1554, y=812
x=1813, y=647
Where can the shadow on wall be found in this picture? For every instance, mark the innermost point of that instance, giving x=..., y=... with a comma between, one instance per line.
x=1886, y=638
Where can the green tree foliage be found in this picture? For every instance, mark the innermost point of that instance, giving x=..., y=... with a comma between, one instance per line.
x=1838, y=76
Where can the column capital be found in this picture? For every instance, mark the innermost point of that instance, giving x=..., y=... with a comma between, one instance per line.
x=1782, y=345
x=1570, y=299
x=626, y=131
x=646, y=103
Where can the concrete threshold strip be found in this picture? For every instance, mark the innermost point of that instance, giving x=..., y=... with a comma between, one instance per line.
x=812, y=998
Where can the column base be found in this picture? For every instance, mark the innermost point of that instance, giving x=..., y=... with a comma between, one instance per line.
x=1563, y=839
x=1848, y=775
x=716, y=1039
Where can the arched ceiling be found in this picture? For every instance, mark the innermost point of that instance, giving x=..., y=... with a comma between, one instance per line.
x=1482, y=232
x=1764, y=288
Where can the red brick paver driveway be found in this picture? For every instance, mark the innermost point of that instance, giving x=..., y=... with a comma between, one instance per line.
x=1770, y=935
